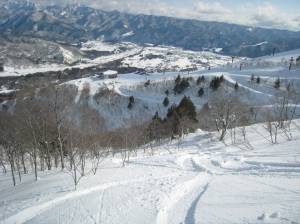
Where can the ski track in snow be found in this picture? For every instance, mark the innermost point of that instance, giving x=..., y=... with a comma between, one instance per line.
x=203, y=178
x=31, y=212
x=190, y=217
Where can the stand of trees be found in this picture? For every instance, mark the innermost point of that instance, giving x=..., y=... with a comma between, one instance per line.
x=40, y=135
x=180, y=119
x=216, y=82
x=181, y=84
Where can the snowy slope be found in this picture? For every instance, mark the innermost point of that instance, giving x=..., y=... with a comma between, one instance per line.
x=113, y=107
x=283, y=56
x=279, y=60
x=196, y=180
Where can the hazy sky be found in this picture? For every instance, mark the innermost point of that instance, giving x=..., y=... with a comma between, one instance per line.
x=284, y=14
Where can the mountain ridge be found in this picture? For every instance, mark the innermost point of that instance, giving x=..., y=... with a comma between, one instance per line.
x=79, y=23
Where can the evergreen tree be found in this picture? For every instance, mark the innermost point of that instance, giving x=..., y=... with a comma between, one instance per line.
x=147, y=83
x=236, y=86
x=277, y=83
x=166, y=101
x=131, y=99
x=186, y=108
x=131, y=102
x=178, y=79
x=258, y=80
x=200, y=80
x=291, y=63
x=252, y=78
x=179, y=119
x=200, y=92
x=215, y=83
x=171, y=110
x=298, y=61
x=222, y=78
x=288, y=88
x=181, y=86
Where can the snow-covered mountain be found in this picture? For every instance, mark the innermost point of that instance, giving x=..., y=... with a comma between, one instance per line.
x=32, y=52
x=76, y=23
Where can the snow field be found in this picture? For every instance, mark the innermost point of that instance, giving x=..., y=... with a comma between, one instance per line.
x=194, y=180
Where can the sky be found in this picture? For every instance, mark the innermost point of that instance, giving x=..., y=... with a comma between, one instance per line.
x=282, y=14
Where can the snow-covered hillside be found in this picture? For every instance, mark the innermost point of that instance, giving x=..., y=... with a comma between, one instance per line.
x=109, y=97
x=164, y=58
x=284, y=56
x=282, y=59
x=99, y=53
x=149, y=98
x=194, y=180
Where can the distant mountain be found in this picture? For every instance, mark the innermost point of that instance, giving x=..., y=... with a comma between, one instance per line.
x=75, y=23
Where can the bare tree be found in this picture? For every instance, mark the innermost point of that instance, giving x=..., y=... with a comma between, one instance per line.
x=8, y=140
x=282, y=113
x=73, y=149
x=228, y=113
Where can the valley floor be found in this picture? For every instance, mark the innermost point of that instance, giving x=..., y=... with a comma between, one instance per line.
x=194, y=180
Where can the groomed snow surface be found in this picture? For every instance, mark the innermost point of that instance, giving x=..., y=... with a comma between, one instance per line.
x=195, y=180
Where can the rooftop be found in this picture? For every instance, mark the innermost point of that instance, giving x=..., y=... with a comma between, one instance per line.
x=110, y=72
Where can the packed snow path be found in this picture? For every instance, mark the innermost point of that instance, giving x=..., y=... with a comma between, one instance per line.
x=196, y=180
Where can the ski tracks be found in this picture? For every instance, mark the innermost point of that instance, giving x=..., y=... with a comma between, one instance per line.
x=33, y=211
x=180, y=192
x=190, y=216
